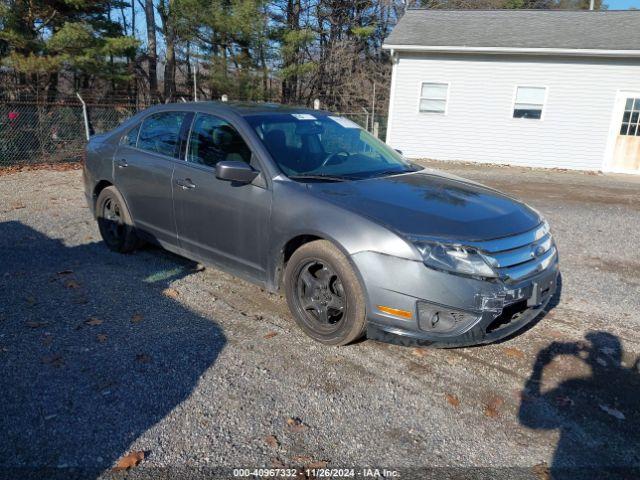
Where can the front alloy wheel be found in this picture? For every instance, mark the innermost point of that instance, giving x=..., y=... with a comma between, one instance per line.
x=320, y=295
x=324, y=294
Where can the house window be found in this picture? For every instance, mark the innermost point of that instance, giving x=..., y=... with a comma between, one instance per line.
x=529, y=102
x=631, y=118
x=433, y=97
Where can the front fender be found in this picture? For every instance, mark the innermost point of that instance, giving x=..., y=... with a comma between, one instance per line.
x=297, y=213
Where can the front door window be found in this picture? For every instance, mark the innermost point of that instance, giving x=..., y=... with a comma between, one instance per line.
x=215, y=140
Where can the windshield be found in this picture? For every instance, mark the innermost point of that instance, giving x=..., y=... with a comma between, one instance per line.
x=307, y=146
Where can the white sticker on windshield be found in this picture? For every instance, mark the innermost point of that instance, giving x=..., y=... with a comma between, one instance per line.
x=303, y=116
x=344, y=122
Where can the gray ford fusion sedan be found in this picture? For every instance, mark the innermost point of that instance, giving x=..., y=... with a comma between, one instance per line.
x=359, y=239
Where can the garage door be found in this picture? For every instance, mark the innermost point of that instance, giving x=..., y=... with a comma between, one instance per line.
x=626, y=154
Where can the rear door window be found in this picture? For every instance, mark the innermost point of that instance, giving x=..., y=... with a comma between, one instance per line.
x=160, y=133
x=214, y=140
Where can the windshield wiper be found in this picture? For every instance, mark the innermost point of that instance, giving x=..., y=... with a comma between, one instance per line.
x=385, y=173
x=322, y=178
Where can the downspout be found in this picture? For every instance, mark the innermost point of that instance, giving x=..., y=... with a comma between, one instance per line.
x=392, y=89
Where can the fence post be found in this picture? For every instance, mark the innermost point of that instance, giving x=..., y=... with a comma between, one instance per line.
x=85, y=114
x=366, y=122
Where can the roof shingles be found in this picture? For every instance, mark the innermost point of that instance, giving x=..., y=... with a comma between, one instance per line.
x=554, y=29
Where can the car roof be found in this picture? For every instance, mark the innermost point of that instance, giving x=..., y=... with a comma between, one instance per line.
x=245, y=109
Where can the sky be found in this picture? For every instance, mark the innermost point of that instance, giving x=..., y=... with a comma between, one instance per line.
x=622, y=4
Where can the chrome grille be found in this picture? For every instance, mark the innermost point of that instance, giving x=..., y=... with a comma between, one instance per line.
x=520, y=256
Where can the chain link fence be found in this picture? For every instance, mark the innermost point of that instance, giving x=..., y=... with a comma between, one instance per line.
x=38, y=132
x=376, y=124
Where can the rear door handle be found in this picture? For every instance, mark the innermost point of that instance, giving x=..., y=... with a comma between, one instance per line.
x=122, y=163
x=186, y=184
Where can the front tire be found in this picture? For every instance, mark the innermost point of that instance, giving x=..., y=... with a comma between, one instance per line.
x=324, y=294
x=114, y=221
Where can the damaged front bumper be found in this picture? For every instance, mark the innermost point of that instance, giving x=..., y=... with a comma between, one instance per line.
x=448, y=310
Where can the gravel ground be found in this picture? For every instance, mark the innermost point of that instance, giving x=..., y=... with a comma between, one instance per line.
x=105, y=354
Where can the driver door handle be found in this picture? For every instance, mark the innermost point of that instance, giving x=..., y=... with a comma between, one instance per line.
x=186, y=184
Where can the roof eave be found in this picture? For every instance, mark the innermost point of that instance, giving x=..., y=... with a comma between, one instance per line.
x=577, y=52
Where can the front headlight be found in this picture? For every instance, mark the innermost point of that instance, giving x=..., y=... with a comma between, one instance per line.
x=455, y=259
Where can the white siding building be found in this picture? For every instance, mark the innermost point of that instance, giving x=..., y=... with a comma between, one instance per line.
x=552, y=89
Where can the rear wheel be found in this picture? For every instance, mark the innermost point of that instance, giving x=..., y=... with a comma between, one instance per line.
x=324, y=294
x=114, y=221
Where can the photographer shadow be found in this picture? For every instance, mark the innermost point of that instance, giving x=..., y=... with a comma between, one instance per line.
x=598, y=415
x=95, y=350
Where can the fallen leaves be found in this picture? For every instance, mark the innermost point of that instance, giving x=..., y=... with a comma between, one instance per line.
x=58, y=167
x=270, y=335
x=137, y=318
x=35, y=325
x=15, y=206
x=564, y=401
x=542, y=471
x=272, y=441
x=302, y=459
x=71, y=284
x=492, y=407
x=451, y=359
x=513, y=352
x=171, y=293
x=101, y=337
x=613, y=412
x=419, y=352
x=452, y=399
x=65, y=272
x=93, y=321
x=143, y=358
x=296, y=425
x=309, y=463
x=54, y=360
x=130, y=460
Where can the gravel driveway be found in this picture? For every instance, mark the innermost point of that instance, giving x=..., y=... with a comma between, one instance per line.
x=104, y=354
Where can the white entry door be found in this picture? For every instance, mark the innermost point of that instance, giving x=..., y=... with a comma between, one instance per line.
x=625, y=151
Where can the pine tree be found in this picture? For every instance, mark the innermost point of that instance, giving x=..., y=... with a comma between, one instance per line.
x=44, y=38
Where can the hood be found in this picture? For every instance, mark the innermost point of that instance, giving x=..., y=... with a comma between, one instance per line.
x=432, y=205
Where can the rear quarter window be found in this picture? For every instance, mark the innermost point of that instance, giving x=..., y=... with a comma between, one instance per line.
x=131, y=137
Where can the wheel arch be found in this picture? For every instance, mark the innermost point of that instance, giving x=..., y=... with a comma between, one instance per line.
x=100, y=186
x=289, y=247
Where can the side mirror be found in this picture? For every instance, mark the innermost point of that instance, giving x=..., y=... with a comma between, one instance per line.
x=235, y=171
